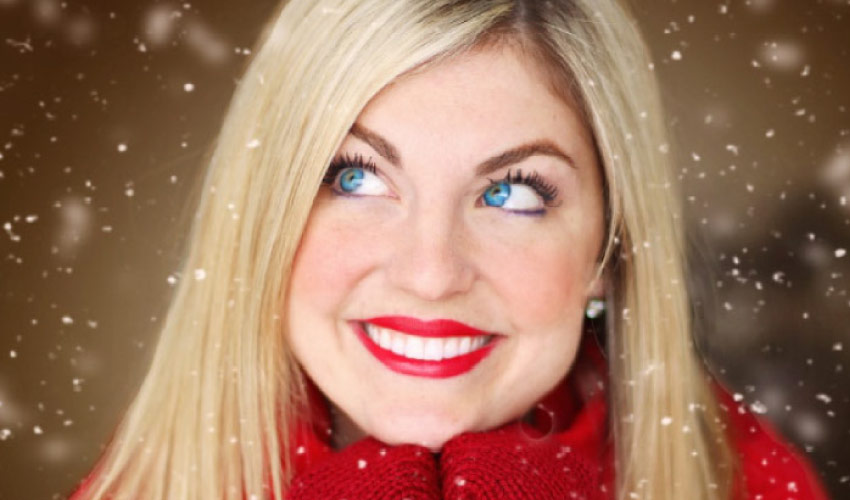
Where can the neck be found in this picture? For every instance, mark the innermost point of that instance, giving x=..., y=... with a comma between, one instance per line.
x=345, y=431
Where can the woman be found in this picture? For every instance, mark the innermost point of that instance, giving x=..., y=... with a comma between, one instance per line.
x=410, y=321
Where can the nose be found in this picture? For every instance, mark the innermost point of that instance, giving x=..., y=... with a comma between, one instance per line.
x=431, y=257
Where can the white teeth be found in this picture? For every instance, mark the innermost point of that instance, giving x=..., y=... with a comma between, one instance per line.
x=450, y=348
x=386, y=339
x=415, y=347
x=398, y=344
x=434, y=349
x=464, y=347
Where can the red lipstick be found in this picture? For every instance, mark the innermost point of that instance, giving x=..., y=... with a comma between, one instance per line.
x=432, y=328
x=444, y=368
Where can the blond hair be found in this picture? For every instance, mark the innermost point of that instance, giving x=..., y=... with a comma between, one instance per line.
x=211, y=417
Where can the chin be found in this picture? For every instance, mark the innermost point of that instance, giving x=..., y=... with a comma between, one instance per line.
x=431, y=432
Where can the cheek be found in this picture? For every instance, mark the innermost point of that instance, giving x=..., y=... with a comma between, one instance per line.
x=330, y=260
x=541, y=282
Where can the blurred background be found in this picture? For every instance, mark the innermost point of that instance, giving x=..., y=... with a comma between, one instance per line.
x=108, y=109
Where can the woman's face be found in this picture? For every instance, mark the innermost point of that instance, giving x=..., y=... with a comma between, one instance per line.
x=470, y=194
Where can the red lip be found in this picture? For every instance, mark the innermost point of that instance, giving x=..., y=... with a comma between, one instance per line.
x=432, y=328
x=444, y=368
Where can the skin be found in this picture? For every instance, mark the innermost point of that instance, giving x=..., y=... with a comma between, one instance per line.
x=424, y=244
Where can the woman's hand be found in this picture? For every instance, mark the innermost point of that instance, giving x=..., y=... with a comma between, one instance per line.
x=370, y=470
x=516, y=462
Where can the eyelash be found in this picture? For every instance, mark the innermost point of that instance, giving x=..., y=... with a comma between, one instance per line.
x=535, y=181
x=347, y=161
x=547, y=191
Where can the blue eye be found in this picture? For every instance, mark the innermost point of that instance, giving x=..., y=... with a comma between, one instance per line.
x=521, y=194
x=497, y=194
x=352, y=176
x=350, y=179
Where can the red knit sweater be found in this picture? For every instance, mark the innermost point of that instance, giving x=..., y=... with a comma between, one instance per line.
x=562, y=451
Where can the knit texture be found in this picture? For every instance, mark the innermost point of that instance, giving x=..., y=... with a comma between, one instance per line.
x=370, y=470
x=515, y=461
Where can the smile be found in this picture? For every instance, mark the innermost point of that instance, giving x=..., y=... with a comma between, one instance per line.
x=433, y=349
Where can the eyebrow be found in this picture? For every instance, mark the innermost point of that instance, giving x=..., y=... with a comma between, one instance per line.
x=517, y=154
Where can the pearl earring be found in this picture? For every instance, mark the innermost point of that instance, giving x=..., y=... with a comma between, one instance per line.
x=595, y=308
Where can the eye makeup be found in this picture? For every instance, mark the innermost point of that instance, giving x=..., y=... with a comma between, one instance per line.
x=547, y=191
x=344, y=161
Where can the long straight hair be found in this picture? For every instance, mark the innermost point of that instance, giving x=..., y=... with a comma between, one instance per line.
x=211, y=417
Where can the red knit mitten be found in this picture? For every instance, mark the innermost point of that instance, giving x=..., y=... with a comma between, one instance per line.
x=370, y=470
x=515, y=462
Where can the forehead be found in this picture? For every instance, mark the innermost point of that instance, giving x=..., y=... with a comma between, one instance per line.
x=483, y=98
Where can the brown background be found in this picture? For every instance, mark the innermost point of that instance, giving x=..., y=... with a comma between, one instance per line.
x=107, y=110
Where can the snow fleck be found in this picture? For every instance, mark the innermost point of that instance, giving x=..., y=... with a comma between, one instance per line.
x=770, y=133
x=121, y=147
x=779, y=277
x=37, y=430
x=792, y=486
x=758, y=407
x=840, y=252
x=67, y=320
x=838, y=346
x=361, y=464
x=738, y=397
x=782, y=55
x=825, y=398
x=5, y=434
x=300, y=450
x=129, y=192
x=460, y=481
x=676, y=55
x=253, y=144
x=172, y=279
x=665, y=421
x=188, y=86
x=31, y=218
x=13, y=354
x=200, y=274
x=750, y=188
x=7, y=226
x=732, y=148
